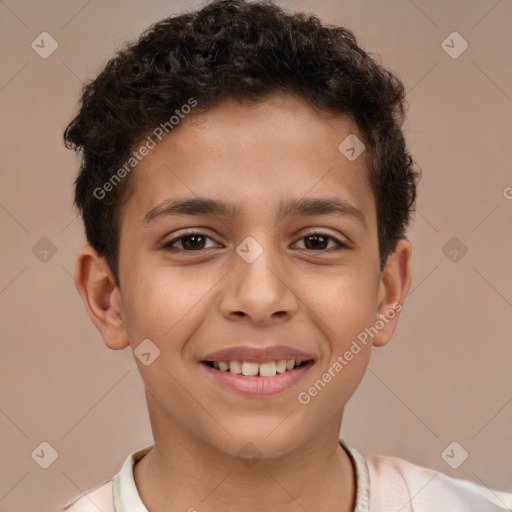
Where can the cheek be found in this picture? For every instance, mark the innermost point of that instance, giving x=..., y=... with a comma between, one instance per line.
x=344, y=305
x=342, y=315
x=164, y=305
x=343, y=310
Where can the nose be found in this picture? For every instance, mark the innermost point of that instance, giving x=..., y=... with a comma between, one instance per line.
x=259, y=292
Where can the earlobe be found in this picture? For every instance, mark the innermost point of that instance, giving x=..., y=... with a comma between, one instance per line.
x=394, y=284
x=95, y=284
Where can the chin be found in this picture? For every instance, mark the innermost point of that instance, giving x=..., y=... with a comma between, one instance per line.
x=261, y=441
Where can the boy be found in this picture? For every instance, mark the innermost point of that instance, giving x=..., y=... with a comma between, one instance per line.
x=245, y=189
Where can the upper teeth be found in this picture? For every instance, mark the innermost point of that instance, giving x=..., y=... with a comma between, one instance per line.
x=267, y=369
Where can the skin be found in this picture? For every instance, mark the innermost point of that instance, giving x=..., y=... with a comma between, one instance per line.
x=191, y=303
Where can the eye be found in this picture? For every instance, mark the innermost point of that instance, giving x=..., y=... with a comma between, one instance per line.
x=190, y=242
x=318, y=241
x=195, y=241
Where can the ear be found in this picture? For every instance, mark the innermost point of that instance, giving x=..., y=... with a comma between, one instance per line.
x=394, y=284
x=101, y=297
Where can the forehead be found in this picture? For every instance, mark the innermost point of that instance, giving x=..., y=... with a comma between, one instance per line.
x=254, y=155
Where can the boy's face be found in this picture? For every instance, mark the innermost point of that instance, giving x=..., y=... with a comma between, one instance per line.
x=209, y=294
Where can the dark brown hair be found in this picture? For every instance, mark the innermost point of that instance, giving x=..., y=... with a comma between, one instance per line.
x=244, y=50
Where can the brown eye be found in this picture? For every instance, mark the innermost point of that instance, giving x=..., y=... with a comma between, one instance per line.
x=190, y=242
x=316, y=242
x=193, y=242
x=196, y=242
x=320, y=242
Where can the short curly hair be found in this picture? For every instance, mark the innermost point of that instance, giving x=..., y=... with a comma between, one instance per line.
x=247, y=51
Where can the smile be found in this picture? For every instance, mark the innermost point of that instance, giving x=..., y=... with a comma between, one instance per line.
x=257, y=379
x=247, y=368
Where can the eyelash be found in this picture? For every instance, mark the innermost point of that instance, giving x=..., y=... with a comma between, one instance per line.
x=168, y=245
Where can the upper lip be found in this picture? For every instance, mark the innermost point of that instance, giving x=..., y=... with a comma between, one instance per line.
x=257, y=354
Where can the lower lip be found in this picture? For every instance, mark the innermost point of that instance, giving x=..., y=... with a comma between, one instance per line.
x=259, y=386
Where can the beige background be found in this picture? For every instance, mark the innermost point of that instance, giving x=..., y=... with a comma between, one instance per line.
x=445, y=376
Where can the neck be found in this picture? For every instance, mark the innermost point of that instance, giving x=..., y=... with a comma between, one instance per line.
x=183, y=472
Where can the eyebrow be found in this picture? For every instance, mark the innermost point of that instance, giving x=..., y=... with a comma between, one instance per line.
x=286, y=208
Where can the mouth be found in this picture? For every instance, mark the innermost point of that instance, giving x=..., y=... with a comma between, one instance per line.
x=255, y=379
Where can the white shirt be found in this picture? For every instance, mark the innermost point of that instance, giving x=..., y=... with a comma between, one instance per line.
x=383, y=483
